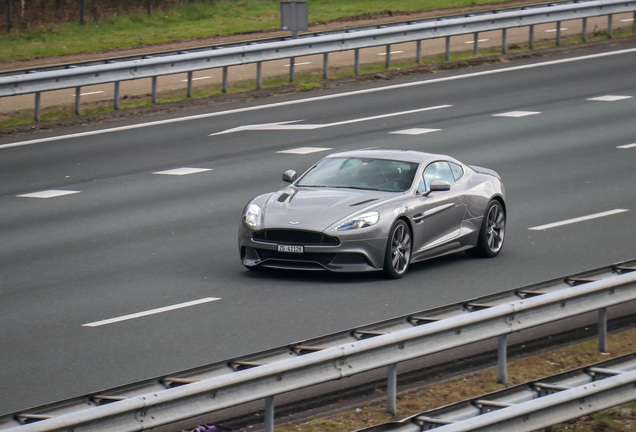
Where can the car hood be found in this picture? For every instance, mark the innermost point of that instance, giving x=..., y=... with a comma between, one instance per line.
x=316, y=209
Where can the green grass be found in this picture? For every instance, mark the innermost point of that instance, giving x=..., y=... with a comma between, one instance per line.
x=191, y=21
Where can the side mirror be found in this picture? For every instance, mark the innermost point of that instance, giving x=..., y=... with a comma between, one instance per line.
x=439, y=185
x=289, y=176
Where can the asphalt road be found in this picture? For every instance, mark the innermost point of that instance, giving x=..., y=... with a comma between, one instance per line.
x=125, y=237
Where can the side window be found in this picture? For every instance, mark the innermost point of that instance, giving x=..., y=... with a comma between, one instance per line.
x=458, y=171
x=438, y=171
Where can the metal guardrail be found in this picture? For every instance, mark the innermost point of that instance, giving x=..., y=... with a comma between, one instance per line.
x=224, y=57
x=264, y=375
x=534, y=405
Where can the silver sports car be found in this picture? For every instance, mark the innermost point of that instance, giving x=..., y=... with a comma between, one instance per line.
x=375, y=209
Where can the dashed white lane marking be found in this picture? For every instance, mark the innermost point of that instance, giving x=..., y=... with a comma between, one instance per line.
x=304, y=150
x=297, y=64
x=151, y=312
x=516, y=114
x=627, y=146
x=554, y=30
x=391, y=52
x=578, y=219
x=90, y=93
x=183, y=171
x=478, y=40
x=198, y=78
x=609, y=98
x=51, y=193
x=415, y=131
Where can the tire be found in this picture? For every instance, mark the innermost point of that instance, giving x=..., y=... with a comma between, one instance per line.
x=398, y=250
x=491, y=235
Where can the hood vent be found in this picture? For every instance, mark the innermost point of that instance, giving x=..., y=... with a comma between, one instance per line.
x=283, y=197
x=363, y=202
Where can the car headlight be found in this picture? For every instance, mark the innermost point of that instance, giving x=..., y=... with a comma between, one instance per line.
x=253, y=217
x=362, y=221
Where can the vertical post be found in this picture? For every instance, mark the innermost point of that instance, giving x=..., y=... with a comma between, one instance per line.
x=602, y=330
x=78, y=110
x=476, y=43
x=189, y=91
x=584, y=30
x=149, y=7
x=387, y=59
x=259, y=75
x=269, y=414
x=634, y=23
x=531, y=37
x=448, y=41
x=224, y=88
x=418, y=52
x=325, y=66
x=154, y=90
x=82, y=8
x=116, y=97
x=502, y=359
x=9, y=15
x=610, y=33
x=356, y=61
x=36, y=115
x=391, y=390
x=504, y=44
x=292, y=72
x=558, y=31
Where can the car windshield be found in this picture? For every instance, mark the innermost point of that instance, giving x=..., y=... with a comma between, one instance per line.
x=361, y=173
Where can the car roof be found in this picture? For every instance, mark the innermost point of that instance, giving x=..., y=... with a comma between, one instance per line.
x=392, y=154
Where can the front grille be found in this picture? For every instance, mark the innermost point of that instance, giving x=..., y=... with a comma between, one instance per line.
x=289, y=236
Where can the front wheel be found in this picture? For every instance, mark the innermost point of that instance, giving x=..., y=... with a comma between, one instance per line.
x=491, y=235
x=398, y=250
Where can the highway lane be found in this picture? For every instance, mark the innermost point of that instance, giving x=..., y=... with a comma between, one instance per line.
x=132, y=240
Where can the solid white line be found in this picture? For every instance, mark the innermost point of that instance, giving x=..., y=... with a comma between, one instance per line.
x=627, y=146
x=578, y=219
x=319, y=98
x=151, y=312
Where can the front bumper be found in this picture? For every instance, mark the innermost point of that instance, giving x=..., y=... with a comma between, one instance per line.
x=355, y=252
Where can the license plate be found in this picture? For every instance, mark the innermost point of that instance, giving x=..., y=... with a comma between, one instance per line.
x=292, y=249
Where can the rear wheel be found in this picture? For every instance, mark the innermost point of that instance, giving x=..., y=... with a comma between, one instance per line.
x=491, y=235
x=398, y=250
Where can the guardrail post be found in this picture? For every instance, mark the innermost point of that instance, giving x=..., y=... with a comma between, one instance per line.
x=634, y=23
x=78, y=110
x=602, y=330
x=292, y=64
x=269, y=414
x=325, y=65
x=531, y=37
x=448, y=55
x=584, y=30
x=356, y=61
x=189, y=91
x=504, y=44
x=418, y=51
x=224, y=88
x=391, y=389
x=116, y=97
x=154, y=90
x=36, y=114
x=259, y=75
x=387, y=59
x=558, y=32
x=610, y=33
x=475, y=43
x=502, y=359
